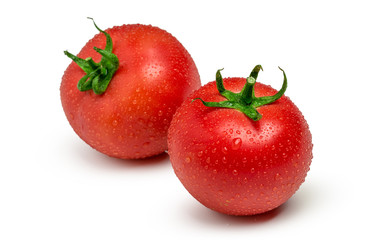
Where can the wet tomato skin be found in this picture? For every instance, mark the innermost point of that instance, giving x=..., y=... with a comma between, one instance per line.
x=130, y=120
x=235, y=165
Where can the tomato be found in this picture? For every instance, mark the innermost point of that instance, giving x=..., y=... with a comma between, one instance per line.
x=242, y=156
x=120, y=96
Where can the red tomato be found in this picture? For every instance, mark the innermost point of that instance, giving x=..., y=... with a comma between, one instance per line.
x=154, y=75
x=232, y=163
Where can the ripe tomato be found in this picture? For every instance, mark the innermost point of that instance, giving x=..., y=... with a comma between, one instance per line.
x=240, y=163
x=147, y=73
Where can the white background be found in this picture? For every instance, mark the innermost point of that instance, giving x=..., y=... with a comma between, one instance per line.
x=54, y=186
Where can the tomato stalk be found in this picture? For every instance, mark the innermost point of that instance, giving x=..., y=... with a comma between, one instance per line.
x=245, y=101
x=98, y=75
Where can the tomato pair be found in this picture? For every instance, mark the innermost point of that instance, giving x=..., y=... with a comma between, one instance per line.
x=239, y=147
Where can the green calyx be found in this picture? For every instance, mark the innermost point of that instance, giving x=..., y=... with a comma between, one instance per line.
x=245, y=101
x=98, y=75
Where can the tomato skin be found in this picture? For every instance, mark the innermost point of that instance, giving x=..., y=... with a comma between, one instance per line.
x=235, y=165
x=130, y=120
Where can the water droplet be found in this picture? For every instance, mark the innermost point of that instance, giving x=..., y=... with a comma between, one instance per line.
x=277, y=176
x=236, y=143
x=225, y=150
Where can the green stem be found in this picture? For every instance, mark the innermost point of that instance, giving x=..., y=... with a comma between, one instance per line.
x=247, y=94
x=255, y=71
x=245, y=101
x=270, y=99
x=98, y=75
x=219, y=81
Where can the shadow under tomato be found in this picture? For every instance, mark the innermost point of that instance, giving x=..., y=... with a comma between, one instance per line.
x=98, y=159
x=209, y=217
x=159, y=159
x=301, y=203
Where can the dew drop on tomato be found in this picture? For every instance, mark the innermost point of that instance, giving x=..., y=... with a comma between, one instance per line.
x=225, y=150
x=236, y=143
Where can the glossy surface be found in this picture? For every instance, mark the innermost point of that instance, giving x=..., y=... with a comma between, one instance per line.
x=233, y=164
x=131, y=119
